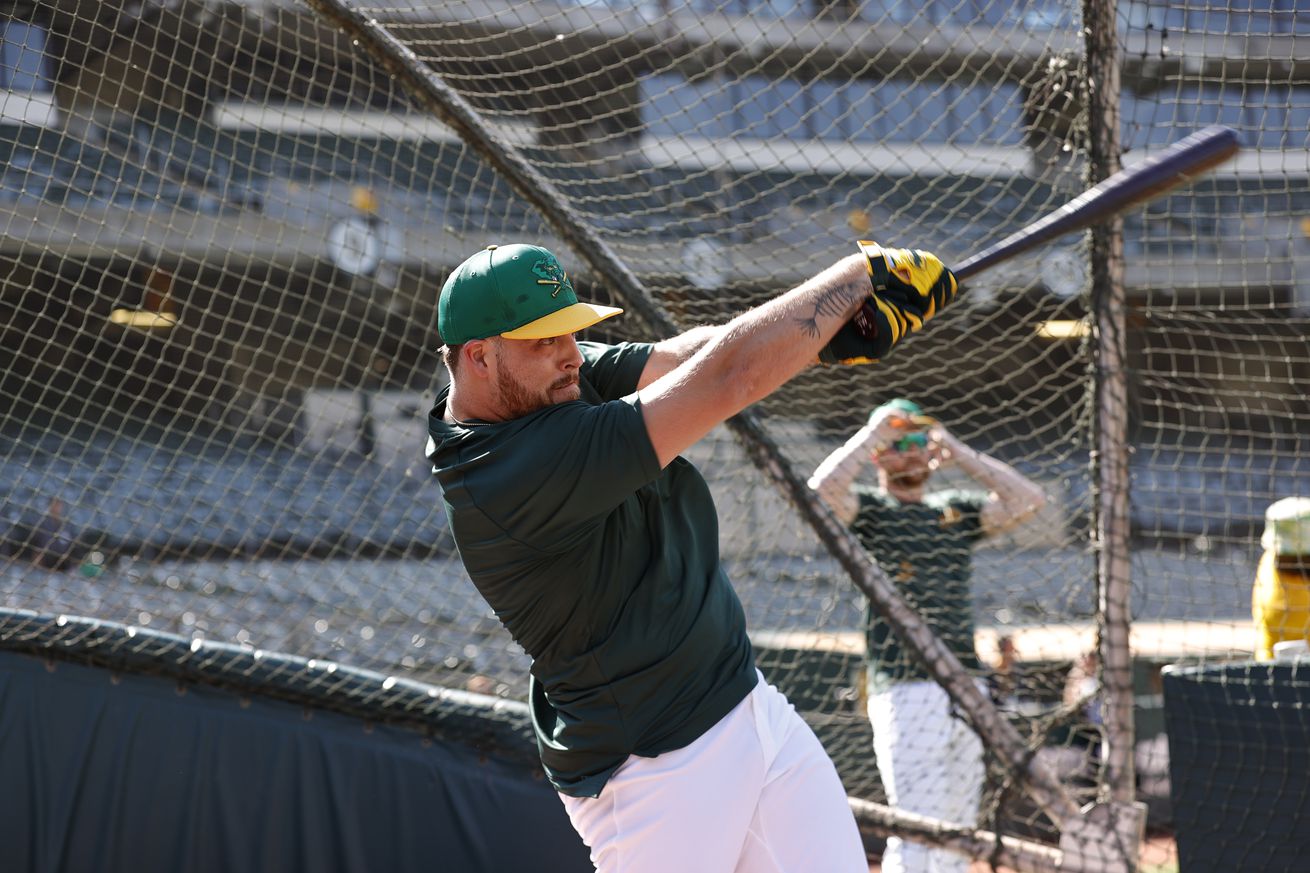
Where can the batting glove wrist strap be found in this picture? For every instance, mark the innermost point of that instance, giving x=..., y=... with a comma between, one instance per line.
x=907, y=288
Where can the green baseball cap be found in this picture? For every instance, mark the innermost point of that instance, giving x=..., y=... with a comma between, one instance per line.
x=515, y=291
x=908, y=408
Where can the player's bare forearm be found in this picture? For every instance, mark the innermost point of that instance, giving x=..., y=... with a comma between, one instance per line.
x=751, y=356
x=833, y=477
x=780, y=338
x=1016, y=497
x=671, y=352
x=762, y=348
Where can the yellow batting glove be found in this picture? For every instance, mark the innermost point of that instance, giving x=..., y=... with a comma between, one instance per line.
x=907, y=288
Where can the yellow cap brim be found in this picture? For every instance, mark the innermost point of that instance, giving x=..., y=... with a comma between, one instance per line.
x=924, y=421
x=570, y=319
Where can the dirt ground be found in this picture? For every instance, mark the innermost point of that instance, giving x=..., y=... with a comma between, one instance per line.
x=1159, y=855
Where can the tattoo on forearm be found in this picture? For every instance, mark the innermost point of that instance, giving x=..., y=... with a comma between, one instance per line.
x=832, y=303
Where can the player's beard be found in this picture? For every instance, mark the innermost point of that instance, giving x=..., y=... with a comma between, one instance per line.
x=914, y=476
x=518, y=399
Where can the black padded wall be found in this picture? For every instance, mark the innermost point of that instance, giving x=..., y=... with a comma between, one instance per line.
x=106, y=771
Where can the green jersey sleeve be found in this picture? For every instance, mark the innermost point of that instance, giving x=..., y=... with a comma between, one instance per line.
x=614, y=370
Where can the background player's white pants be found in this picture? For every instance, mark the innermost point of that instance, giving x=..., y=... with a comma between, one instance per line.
x=931, y=764
x=755, y=794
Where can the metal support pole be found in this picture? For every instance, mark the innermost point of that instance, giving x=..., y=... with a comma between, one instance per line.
x=1117, y=808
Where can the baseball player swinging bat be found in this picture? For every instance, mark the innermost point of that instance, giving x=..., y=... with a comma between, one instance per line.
x=1179, y=163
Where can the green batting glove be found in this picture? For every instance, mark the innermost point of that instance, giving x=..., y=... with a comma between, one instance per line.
x=908, y=287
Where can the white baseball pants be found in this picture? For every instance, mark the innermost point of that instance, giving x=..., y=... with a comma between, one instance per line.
x=756, y=793
x=930, y=763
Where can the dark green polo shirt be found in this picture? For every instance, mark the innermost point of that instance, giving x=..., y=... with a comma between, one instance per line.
x=603, y=567
x=926, y=549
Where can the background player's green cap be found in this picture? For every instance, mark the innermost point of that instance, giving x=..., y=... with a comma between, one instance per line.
x=515, y=291
x=908, y=408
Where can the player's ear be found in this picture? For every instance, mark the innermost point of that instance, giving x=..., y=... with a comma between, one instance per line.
x=476, y=353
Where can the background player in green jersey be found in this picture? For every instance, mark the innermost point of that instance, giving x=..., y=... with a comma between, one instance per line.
x=930, y=761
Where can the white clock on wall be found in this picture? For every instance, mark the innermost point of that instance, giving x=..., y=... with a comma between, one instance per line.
x=1064, y=271
x=355, y=246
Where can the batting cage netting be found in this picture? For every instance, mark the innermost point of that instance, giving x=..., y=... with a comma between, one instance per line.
x=226, y=223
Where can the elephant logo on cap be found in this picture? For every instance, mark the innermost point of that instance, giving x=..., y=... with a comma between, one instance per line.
x=551, y=273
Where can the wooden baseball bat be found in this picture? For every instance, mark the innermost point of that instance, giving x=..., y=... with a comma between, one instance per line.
x=1180, y=162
